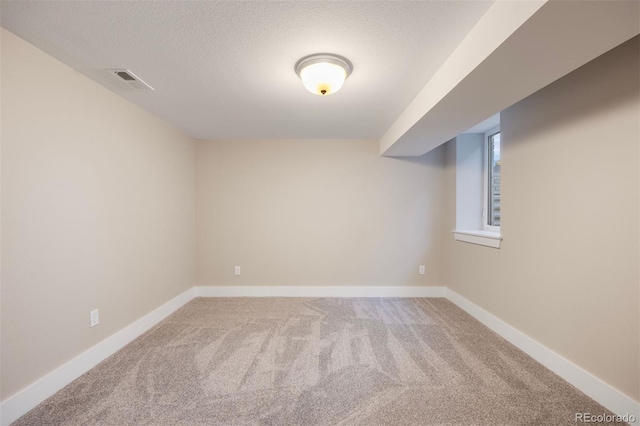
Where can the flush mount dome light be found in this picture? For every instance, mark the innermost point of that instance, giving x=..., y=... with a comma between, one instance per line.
x=323, y=73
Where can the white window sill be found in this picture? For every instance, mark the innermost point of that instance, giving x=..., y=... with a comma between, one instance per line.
x=483, y=238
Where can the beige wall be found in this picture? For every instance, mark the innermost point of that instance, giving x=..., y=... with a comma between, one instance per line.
x=567, y=272
x=98, y=211
x=317, y=212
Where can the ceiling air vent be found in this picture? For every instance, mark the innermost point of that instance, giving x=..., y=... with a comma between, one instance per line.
x=130, y=79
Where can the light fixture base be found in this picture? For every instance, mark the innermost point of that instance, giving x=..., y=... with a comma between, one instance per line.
x=316, y=58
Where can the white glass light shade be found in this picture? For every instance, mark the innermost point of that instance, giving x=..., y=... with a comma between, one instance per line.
x=323, y=74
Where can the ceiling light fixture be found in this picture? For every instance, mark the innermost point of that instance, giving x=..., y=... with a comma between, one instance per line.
x=323, y=73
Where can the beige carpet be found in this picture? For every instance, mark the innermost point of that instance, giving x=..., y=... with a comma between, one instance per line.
x=293, y=361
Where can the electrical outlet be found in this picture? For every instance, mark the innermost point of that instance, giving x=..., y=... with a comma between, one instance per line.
x=422, y=269
x=94, y=318
x=237, y=270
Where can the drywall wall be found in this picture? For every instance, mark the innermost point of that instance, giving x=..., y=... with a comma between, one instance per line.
x=567, y=272
x=317, y=212
x=98, y=211
x=469, y=181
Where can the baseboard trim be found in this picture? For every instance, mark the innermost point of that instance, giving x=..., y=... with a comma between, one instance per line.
x=22, y=402
x=318, y=291
x=590, y=385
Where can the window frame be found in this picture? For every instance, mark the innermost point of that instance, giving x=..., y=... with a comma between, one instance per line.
x=486, y=167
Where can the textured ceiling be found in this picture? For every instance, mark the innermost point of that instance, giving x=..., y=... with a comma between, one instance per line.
x=224, y=70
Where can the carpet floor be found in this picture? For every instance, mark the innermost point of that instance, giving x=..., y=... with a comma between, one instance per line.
x=329, y=361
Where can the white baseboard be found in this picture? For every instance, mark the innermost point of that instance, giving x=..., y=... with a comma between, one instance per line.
x=19, y=404
x=319, y=291
x=587, y=383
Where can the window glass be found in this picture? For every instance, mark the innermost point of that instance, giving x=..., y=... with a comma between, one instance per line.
x=493, y=218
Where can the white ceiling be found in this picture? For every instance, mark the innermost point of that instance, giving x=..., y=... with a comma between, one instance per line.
x=224, y=70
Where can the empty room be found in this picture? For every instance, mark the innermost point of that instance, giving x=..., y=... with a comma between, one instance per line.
x=320, y=212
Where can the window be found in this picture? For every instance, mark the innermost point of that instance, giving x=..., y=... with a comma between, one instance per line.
x=491, y=210
x=477, y=161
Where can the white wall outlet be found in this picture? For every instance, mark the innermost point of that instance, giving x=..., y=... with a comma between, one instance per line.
x=237, y=270
x=421, y=269
x=94, y=318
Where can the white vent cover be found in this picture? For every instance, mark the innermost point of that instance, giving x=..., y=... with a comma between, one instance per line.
x=130, y=79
